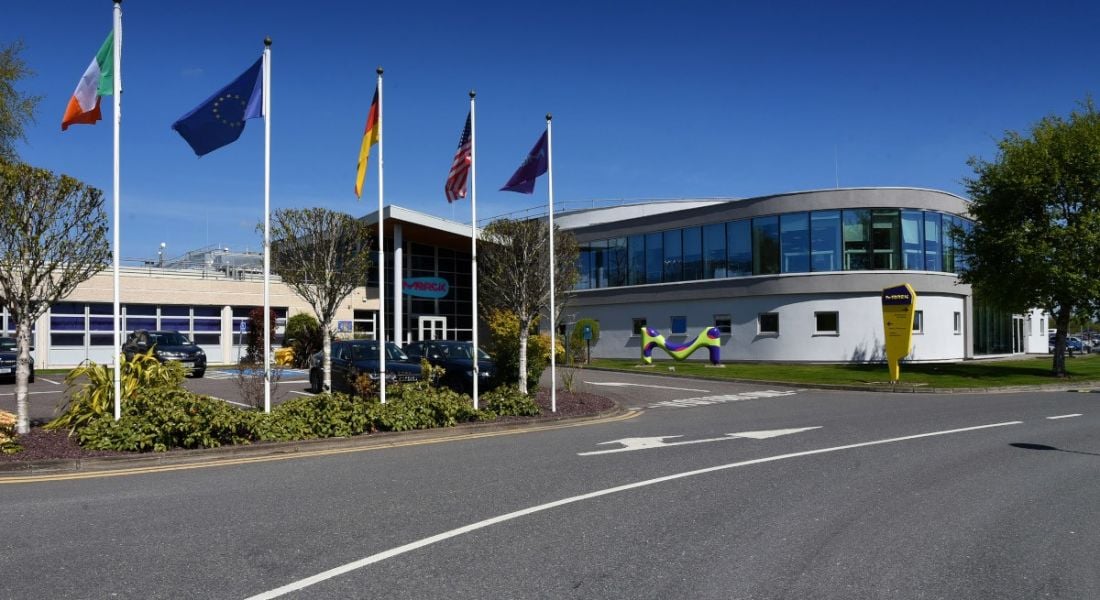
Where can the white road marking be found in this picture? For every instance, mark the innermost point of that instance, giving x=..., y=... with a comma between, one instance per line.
x=301, y=393
x=231, y=402
x=645, y=385
x=1065, y=416
x=707, y=400
x=648, y=443
x=446, y=535
x=36, y=393
x=49, y=381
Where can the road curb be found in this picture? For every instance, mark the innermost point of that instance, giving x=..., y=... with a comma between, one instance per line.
x=1077, y=386
x=212, y=456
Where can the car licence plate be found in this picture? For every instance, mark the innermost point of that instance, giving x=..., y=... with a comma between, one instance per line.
x=7, y=369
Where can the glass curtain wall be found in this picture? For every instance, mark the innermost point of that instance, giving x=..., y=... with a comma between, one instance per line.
x=825, y=240
x=714, y=251
x=693, y=253
x=765, y=245
x=912, y=240
x=636, y=250
x=674, y=256
x=739, y=247
x=794, y=241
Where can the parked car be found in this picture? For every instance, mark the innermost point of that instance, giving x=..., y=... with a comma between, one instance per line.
x=167, y=346
x=351, y=358
x=9, y=357
x=1073, y=344
x=457, y=359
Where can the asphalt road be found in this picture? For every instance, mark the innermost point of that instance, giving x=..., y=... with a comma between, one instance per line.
x=819, y=495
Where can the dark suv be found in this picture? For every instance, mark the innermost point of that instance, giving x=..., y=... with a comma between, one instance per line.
x=351, y=358
x=9, y=359
x=457, y=359
x=167, y=346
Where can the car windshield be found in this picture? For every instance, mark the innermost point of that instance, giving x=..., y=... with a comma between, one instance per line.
x=7, y=343
x=463, y=351
x=369, y=351
x=170, y=338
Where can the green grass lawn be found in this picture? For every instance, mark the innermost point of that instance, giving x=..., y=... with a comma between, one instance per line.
x=969, y=374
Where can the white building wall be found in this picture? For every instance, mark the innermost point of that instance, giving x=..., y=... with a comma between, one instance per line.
x=859, y=337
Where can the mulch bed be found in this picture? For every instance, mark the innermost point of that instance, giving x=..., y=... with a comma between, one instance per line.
x=41, y=444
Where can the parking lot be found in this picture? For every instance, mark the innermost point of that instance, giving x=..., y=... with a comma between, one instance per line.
x=48, y=392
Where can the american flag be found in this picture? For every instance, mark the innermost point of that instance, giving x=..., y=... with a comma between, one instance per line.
x=460, y=168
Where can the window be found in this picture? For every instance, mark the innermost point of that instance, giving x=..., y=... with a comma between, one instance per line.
x=959, y=323
x=616, y=262
x=693, y=253
x=768, y=323
x=678, y=325
x=654, y=257
x=949, y=243
x=739, y=247
x=918, y=321
x=794, y=241
x=584, y=267
x=857, y=244
x=825, y=240
x=933, y=226
x=765, y=245
x=674, y=256
x=637, y=326
x=912, y=240
x=636, y=250
x=714, y=251
x=885, y=239
x=826, y=322
x=724, y=324
x=599, y=263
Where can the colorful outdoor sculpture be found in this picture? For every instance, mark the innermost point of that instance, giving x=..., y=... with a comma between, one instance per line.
x=711, y=338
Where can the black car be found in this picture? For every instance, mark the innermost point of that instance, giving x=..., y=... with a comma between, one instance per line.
x=167, y=346
x=353, y=357
x=457, y=358
x=9, y=359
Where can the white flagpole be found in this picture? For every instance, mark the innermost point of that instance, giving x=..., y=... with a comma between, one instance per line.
x=473, y=236
x=381, y=334
x=553, y=329
x=267, y=223
x=117, y=64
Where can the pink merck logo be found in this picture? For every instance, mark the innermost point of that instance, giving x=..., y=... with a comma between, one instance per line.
x=426, y=287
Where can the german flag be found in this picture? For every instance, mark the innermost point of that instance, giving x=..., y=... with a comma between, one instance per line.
x=371, y=135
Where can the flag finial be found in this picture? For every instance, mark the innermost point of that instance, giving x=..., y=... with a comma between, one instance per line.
x=267, y=41
x=473, y=93
x=378, y=70
x=118, y=1
x=549, y=116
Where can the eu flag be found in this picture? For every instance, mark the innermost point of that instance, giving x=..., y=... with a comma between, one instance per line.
x=536, y=163
x=220, y=119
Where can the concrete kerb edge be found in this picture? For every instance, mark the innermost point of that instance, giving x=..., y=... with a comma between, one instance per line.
x=898, y=389
x=213, y=455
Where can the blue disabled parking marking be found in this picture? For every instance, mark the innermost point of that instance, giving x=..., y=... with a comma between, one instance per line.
x=233, y=373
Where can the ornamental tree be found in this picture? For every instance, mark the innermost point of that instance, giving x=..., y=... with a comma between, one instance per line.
x=1036, y=236
x=323, y=256
x=53, y=237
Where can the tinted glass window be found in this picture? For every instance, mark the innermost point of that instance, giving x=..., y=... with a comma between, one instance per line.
x=636, y=249
x=654, y=257
x=857, y=242
x=739, y=247
x=932, y=229
x=912, y=240
x=617, y=265
x=885, y=239
x=693, y=253
x=765, y=245
x=714, y=251
x=794, y=236
x=825, y=240
x=674, y=256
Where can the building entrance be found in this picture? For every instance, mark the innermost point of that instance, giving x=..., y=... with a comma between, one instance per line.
x=433, y=328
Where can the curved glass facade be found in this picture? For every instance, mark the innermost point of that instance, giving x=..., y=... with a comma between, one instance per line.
x=799, y=242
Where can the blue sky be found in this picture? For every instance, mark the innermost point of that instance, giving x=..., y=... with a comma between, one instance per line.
x=650, y=100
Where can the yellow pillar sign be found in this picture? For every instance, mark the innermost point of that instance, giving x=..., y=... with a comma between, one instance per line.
x=899, y=305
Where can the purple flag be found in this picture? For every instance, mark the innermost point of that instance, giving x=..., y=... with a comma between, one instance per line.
x=523, y=180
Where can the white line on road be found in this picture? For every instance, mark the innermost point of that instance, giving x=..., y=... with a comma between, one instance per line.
x=1065, y=416
x=645, y=385
x=446, y=535
x=707, y=400
x=231, y=402
x=648, y=443
x=49, y=381
x=35, y=393
x=301, y=393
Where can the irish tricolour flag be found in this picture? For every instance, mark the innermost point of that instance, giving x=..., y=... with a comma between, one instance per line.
x=98, y=80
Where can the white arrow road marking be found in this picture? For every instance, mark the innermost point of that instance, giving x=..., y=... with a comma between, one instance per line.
x=646, y=385
x=707, y=400
x=646, y=443
x=1065, y=416
x=367, y=561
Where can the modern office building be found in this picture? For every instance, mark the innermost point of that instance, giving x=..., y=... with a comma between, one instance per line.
x=787, y=277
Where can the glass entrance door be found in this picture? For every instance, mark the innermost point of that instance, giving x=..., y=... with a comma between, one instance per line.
x=433, y=328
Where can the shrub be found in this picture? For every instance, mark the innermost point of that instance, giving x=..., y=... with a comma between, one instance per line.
x=320, y=416
x=578, y=346
x=306, y=338
x=96, y=397
x=420, y=406
x=507, y=400
x=504, y=348
x=8, y=444
x=165, y=418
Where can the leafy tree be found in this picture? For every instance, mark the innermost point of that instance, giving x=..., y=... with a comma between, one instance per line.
x=16, y=108
x=323, y=256
x=1036, y=235
x=254, y=350
x=514, y=274
x=503, y=345
x=578, y=346
x=53, y=236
